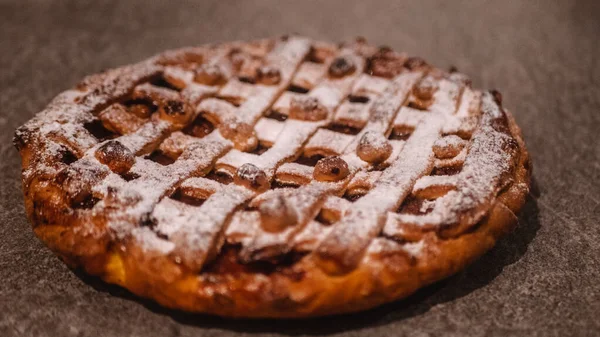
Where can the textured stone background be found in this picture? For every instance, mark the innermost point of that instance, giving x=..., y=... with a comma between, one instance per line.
x=543, y=55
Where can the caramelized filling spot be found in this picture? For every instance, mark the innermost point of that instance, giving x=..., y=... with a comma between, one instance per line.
x=186, y=199
x=200, y=127
x=97, y=129
x=158, y=157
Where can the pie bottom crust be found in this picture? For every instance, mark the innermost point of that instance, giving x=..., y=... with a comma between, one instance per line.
x=301, y=290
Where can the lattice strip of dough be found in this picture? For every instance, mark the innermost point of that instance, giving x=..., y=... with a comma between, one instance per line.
x=327, y=143
x=216, y=110
x=298, y=174
x=384, y=110
x=362, y=182
x=397, y=146
x=309, y=74
x=308, y=239
x=150, y=135
x=74, y=136
x=183, y=79
x=330, y=92
x=282, y=105
x=243, y=226
x=354, y=115
x=268, y=244
x=431, y=187
x=446, y=97
x=199, y=187
x=267, y=130
x=246, y=224
x=147, y=138
x=294, y=174
x=227, y=199
x=288, y=145
x=334, y=208
x=117, y=119
x=408, y=118
x=174, y=145
x=197, y=232
x=153, y=184
x=467, y=115
x=477, y=182
x=308, y=77
x=73, y=108
x=470, y=103
x=399, y=178
x=364, y=221
x=454, y=162
x=237, y=92
x=286, y=57
x=369, y=86
x=305, y=203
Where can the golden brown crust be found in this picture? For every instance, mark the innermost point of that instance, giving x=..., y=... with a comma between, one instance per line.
x=397, y=276
x=299, y=289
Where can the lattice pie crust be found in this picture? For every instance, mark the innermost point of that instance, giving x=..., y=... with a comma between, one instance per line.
x=276, y=178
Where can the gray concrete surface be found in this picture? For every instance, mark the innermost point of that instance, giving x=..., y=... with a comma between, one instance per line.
x=542, y=280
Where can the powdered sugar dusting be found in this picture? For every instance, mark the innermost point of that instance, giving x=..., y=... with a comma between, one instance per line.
x=479, y=181
x=150, y=241
x=286, y=57
x=61, y=121
x=382, y=115
x=458, y=127
x=198, y=231
x=414, y=248
x=294, y=174
x=326, y=143
x=365, y=220
x=303, y=203
x=330, y=93
x=268, y=130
